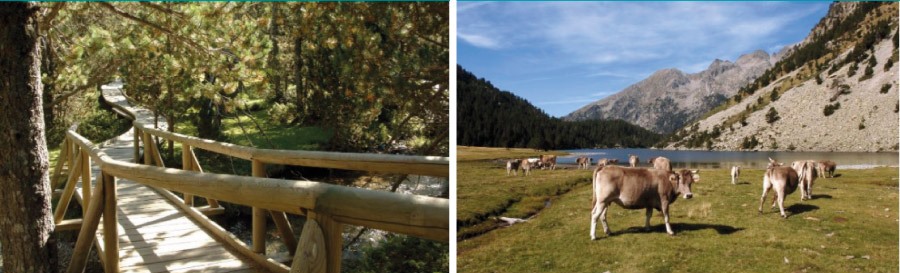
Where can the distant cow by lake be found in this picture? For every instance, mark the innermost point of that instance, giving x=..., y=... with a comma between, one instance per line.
x=524, y=166
x=583, y=162
x=661, y=163
x=826, y=166
x=512, y=166
x=633, y=160
x=634, y=188
x=783, y=179
x=548, y=161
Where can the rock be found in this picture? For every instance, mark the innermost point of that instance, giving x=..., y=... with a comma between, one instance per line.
x=849, y=257
x=812, y=218
x=829, y=234
x=786, y=260
x=866, y=257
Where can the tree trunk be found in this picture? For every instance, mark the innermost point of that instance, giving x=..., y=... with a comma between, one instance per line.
x=274, y=63
x=26, y=226
x=299, y=83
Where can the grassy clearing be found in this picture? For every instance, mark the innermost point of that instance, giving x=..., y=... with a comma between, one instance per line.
x=470, y=153
x=485, y=191
x=850, y=226
x=241, y=130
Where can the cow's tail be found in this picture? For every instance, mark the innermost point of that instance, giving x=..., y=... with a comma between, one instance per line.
x=594, y=187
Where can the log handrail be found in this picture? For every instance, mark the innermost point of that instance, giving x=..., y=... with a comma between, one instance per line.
x=328, y=207
x=380, y=163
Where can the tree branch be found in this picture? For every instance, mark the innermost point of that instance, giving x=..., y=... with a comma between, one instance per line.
x=48, y=18
x=162, y=9
x=151, y=25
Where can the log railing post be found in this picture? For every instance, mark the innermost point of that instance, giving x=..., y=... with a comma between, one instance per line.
x=85, y=179
x=187, y=164
x=259, y=214
x=137, y=144
x=110, y=222
x=332, y=232
x=285, y=230
x=60, y=162
x=68, y=192
x=213, y=203
x=87, y=233
x=148, y=154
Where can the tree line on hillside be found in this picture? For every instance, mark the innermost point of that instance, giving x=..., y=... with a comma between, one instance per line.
x=487, y=116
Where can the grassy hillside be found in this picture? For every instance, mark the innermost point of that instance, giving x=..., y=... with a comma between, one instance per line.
x=850, y=226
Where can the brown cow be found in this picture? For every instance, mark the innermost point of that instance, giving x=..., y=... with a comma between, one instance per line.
x=602, y=162
x=512, y=166
x=826, y=166
x=583, y=162
x=806, y=170
x=783, y=179
x=633, y=188
x=633, y=160
x=661, y=163
x=548, y=161
x=525, y=166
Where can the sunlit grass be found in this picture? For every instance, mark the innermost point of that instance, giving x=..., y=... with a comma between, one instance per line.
x=850, y=226
x=469, y=153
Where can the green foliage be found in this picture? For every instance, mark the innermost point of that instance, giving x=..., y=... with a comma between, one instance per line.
x=885, y=88
x=101, y=125
x=888, y=64
x=791, y=147
x=830, y=108
x=772, y=116
x=494, y=118
x=749, y=143
x=896, y=107
x=282, y=113
x=774, y=96
x=852, y=70
x=400, y=253
x=862, y=124
x=867, y=73
x=818, y=79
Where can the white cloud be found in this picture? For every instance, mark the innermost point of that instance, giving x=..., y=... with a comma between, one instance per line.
x=478, y=40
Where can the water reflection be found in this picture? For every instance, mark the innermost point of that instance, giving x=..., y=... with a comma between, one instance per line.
x=721, y=159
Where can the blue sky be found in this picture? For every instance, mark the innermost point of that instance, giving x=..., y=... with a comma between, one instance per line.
x=563, y=55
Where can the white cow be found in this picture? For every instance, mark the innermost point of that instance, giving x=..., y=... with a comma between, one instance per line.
x=735, y=172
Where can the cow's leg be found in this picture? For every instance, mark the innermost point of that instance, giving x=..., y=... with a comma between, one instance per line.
x=802, y=189
x=595, y=213
x=603, y=217
x=766, y=187
x=780, y=193
x=647, y=223
x=665, y=211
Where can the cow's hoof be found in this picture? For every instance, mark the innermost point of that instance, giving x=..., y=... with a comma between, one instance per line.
x=783, y=216
x=593, y=238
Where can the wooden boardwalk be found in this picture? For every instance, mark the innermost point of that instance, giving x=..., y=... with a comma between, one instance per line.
x=154, y=234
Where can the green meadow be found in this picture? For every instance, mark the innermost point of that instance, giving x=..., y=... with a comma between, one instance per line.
x=851, y=225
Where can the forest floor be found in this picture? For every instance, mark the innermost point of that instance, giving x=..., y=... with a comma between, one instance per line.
x=849, y=226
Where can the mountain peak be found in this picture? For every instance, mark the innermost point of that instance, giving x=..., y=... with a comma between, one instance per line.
x=753, y=58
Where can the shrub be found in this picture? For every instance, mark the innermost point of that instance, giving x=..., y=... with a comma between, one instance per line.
x=772, y=115
x=829, y=109
x=403, y=254
x=282, y=113
x=867, y=74
x=862, y=124
x=774, y=96
x=852, y=70
x=749, y=143
x=818, y=79
x=885, y=88
x=888, y=64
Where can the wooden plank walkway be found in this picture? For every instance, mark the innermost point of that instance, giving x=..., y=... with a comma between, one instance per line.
x=154, y=234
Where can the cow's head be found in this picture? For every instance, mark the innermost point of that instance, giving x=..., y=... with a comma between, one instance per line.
x=773, y=163
x=684, y=179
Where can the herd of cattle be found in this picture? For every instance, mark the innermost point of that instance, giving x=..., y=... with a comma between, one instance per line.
x=659, y=186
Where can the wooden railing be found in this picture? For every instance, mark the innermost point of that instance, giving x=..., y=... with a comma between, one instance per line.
x=327, y=207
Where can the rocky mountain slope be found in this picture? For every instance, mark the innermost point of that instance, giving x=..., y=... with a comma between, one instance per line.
x=670, y=98
x=835, y=91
